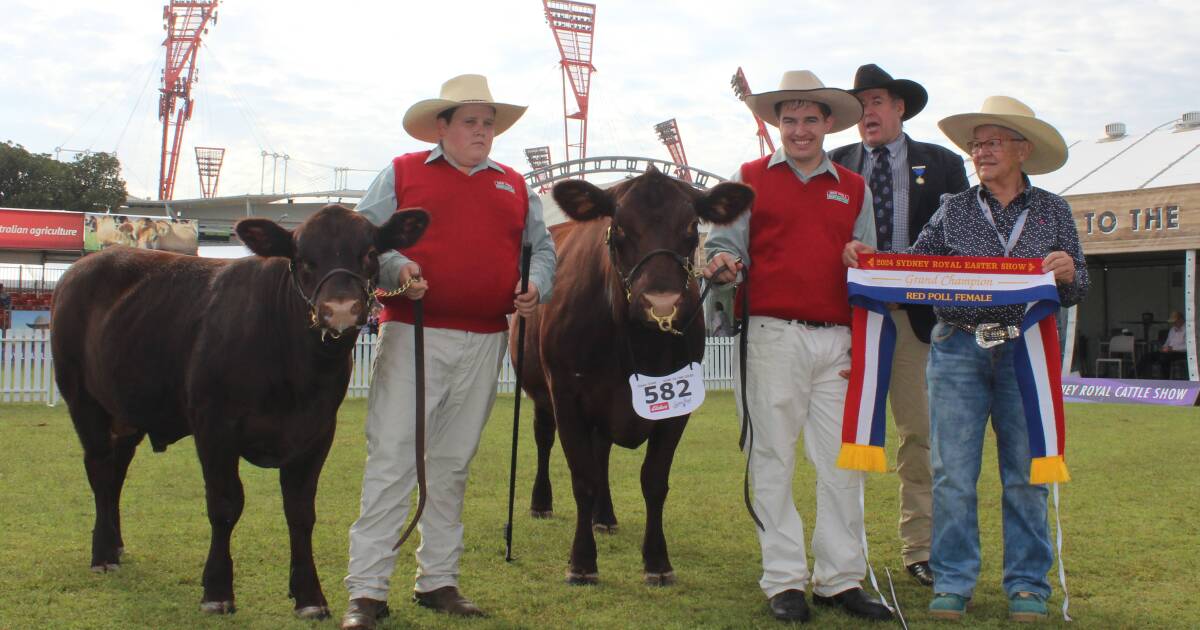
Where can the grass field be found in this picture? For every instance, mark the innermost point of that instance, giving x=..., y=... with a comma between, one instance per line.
x=1130, y=520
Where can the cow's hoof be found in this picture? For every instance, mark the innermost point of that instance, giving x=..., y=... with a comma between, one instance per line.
x=107, y=567
x=659, y=579
x=541, y=513
x=313, y=613
x=582, y=579
x=604, y=528
x=217, y=608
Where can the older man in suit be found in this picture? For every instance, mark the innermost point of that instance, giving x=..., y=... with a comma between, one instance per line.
x=907, y=180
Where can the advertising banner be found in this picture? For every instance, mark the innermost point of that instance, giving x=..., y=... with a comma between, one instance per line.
x=173, y=235
x=1142, y=392
x=40, y=229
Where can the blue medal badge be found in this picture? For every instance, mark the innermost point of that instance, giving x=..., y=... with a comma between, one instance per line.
x=919, y=171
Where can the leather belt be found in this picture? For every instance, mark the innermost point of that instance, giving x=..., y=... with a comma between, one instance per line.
x=809, y=324
x=990, y=334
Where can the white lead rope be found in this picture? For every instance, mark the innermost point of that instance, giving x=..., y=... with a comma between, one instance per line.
x=862, y=506
x=1062, y=572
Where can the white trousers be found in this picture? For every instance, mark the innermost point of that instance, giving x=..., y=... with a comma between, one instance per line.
x=460, y=386
x=793, y=386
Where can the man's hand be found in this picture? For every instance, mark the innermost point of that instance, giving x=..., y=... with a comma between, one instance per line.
x=411, y=273
x=1062, y=265
x=526, y=302
x=852, y=250
x=723, y=268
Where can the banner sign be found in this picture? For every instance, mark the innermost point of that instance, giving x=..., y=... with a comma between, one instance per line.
x=173, y=235
x=883, y=279
x=1142, y=392
x=40, y=229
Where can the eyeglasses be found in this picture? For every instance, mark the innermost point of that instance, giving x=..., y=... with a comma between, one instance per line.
x=992, y=145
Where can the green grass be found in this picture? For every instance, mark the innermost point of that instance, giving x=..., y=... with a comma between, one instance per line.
x=1132, y=539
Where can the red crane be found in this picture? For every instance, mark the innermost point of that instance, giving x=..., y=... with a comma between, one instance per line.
x=668, y=132
x=573, y=24
x=185, y=21
x=742, y=90
x=208, y=165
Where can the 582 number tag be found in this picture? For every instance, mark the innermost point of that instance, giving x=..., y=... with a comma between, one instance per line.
x=669, y=396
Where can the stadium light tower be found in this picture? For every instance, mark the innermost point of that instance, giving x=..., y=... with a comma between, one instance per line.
x=539, y=158
x=185, y=22
x=208, y=165
x=573, y=25
x=742, y=90
x=668, y=132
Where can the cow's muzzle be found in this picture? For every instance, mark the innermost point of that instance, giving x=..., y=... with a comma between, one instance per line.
x=330, y=327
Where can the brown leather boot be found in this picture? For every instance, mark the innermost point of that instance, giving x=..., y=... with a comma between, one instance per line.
x=363, y=613
x=448, y=600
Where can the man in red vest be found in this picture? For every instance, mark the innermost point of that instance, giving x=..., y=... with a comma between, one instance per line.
x=789, y=246
x=466, y=268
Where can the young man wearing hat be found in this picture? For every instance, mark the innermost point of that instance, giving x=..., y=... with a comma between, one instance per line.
x=798, y=342
x=1002, y=216
x=466, y=269
x=907, y=180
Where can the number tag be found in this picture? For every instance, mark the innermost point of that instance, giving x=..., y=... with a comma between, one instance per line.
x=670, y=396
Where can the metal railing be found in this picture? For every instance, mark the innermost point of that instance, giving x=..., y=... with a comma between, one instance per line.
x=27, y=367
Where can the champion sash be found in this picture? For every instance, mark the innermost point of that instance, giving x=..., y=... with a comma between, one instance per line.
x=952, y=281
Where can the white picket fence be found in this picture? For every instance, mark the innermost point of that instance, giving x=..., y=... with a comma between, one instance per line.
x=27, y=370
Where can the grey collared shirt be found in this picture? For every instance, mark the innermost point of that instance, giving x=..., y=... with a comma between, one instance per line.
x=734, y=238
x=379, y=203
x=898, y=158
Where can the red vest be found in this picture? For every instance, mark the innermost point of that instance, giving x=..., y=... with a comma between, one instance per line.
x=797, y=233
x=469, y=251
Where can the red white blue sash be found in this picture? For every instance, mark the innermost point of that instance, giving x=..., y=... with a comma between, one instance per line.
x=952, y=281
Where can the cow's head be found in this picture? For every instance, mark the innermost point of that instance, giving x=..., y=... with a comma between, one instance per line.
x=652, y=238
x=334, y=258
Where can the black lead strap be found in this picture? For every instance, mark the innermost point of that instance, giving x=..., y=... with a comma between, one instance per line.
x=746, y=439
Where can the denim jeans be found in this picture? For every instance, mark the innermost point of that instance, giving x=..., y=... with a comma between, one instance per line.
x=966, y=385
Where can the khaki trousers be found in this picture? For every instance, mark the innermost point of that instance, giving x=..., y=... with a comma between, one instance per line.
x=910, y=409
x=460, y=386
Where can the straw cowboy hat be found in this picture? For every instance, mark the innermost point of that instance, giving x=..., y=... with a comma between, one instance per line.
x=420, y=121
x=40, y=322
x=1049, y=148
x=872, y=77
x=803, y=85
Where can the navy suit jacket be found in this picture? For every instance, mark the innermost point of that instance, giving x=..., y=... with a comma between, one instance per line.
x=944, y=174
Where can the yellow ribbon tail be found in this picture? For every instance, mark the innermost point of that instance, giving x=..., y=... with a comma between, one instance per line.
x=862, y=457
x=1045, y=470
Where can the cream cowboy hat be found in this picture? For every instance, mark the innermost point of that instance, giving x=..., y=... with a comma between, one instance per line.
x=420, y=121
x=805, y=86
x=1049, y=148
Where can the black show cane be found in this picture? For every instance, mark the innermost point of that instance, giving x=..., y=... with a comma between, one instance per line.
x=526, y=254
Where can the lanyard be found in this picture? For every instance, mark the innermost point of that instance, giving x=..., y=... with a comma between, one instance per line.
x=1018, y=227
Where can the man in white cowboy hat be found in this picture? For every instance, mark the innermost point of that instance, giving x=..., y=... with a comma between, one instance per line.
x=907, y=180
x=466, y=268
x=1002, y=216
x=798, y=342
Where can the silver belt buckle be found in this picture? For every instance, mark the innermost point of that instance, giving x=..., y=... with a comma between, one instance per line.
x=991, y=335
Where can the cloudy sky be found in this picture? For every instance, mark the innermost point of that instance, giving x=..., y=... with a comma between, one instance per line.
x=328, y=82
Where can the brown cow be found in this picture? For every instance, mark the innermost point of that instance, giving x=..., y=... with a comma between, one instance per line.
x=623, y=268
x=247, y=370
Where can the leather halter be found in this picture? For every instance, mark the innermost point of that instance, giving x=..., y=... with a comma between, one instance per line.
x=363, y=283
x=689, y=271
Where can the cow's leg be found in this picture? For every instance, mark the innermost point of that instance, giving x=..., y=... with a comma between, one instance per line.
x=94, y=426
x=124, y=448
x=542, y=503
x=298, y=481
x=656, y=470
x=225, y=499
x=604, y=519
x=577, y=447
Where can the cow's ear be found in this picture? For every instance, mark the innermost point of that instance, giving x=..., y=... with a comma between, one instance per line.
x=403, y=229
x=725, y=203
x=582, y=201
x=265, y=238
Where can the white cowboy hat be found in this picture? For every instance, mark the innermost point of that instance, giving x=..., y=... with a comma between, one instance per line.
x=802, y=85
x=1049, y=148
x=420, y=121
